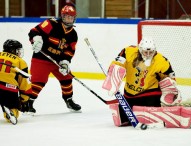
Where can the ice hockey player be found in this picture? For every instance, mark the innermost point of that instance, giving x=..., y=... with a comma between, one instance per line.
x=57, y=38
x=150, y=83
x=15, y=88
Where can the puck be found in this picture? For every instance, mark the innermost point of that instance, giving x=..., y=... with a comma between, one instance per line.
x=143, y=127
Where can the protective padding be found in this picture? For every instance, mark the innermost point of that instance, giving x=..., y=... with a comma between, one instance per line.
x=114, y=79
x=169, y=115
x=186, y=117
x=115, y=114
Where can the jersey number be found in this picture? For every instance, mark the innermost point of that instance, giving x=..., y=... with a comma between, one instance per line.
x=8, y=68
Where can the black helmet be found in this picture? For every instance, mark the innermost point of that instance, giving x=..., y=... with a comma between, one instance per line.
x=12, y=46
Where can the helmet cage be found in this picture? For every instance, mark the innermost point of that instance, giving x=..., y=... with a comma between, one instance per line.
x=64, y=19
x=147, y=48
x=20, y=52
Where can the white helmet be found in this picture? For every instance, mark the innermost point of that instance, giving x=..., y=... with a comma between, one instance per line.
x=147, y=49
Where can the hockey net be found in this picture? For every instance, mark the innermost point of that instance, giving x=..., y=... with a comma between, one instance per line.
x=173, y=40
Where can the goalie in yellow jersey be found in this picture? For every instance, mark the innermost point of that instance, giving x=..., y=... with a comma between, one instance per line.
x=15, y=88
x=150, y=82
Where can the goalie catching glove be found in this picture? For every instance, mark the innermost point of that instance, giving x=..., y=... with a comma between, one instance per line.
x=114, y=79
x=170, y=93
x=37, y=43
x=64, y=67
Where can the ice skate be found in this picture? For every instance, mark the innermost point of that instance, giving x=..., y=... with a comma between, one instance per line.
x=72, y=106
x=32, y=110
x=10, y=115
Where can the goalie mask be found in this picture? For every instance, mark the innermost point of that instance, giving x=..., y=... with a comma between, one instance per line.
x=14, y=47
x=147, y=50
x=68, y=14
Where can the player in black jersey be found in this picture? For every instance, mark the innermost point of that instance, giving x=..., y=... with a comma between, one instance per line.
x=57, y=38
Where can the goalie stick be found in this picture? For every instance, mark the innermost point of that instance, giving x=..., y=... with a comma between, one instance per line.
x=123, y=103
x=17, y=69
x=104, y=101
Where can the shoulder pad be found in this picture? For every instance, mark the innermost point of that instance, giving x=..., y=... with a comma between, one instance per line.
x=54, y=20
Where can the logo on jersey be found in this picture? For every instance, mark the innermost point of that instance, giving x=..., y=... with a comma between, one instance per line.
x=62, y=44
x=11, y=86
x=140, y=76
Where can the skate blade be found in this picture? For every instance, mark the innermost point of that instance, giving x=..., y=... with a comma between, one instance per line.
x=28, y=114
x=73, y=111
x=10, y=116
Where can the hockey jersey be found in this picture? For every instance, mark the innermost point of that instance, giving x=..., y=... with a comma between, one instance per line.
x=10, y=79
x=141, y=79
x=58, y=42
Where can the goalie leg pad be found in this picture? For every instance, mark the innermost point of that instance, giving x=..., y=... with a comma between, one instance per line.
x=114, y=79
x=116, y=115
x=185, y=117
x=171, y=116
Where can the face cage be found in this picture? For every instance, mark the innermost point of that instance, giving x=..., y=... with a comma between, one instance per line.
x=147, y=55
x=66, y=23
x=20, y=52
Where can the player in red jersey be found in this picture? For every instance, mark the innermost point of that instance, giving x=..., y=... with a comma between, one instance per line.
x=57, y=38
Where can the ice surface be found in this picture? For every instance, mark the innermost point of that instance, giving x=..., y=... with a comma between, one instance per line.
x=54, y=125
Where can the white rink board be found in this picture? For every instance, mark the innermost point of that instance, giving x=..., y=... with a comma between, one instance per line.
x=106, y=39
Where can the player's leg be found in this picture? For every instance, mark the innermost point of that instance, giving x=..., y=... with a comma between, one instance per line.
x=67, y=90
x=11, y=115
x=10, y=104
x=120, y=116
x=40, y=71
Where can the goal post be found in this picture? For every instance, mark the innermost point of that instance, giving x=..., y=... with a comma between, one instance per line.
x=173, y=40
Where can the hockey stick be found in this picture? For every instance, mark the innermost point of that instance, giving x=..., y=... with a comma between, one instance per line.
x=123, y=103
x=104, y=101
x=17, y=69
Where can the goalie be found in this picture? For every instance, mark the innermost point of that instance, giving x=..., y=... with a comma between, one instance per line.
x=150, y=81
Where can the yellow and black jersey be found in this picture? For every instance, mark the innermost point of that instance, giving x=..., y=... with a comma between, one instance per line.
x=142, y=79
x=58, y=42
x=10, y=79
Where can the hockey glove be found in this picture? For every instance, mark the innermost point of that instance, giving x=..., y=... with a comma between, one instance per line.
x=170, y=93
x=114, y=79
x=64, y=69
x=37, y=43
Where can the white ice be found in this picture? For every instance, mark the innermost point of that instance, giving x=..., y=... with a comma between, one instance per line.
x=54, y=125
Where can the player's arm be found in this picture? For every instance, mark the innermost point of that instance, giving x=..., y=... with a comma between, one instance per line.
x=25, y=89
x=115, y=75
x=38, y=34
x=170, y=94
x=42, y=29
x=24, y=82
x=68, y=53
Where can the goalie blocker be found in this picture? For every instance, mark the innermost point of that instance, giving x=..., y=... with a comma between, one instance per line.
x=114, y=79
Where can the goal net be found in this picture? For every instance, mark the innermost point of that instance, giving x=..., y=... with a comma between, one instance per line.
x=173, y=40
